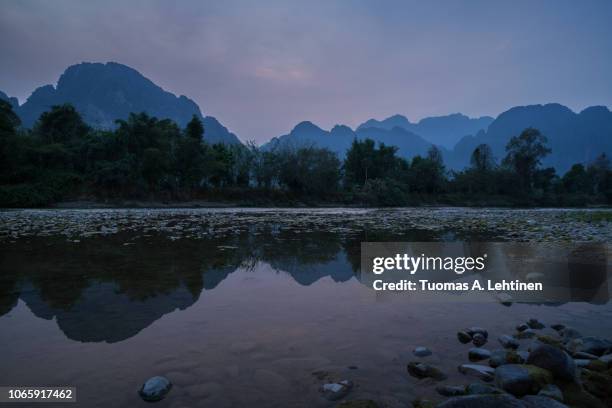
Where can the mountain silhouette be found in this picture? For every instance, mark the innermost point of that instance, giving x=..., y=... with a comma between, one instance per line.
x=105, y=92
x=443, y=131
x=573, y=137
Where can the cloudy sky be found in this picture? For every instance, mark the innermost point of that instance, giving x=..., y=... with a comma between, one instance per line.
x=262, y=66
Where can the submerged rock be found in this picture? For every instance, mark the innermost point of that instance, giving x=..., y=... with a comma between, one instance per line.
x=477, y=354
x=483, y=372
x=155, y=389
x=421, y=370
x=535, y=324
x=421, y=352
x=336, y=391
x=555, y=360
x=558, y=327
x=519, y=379
x=508, y=342
x=472, y=331
x=482, y=401
x=521, y=327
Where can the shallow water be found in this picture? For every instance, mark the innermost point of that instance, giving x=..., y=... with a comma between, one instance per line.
x=240, y=307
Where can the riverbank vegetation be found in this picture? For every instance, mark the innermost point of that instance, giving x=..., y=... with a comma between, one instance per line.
x=144, y=158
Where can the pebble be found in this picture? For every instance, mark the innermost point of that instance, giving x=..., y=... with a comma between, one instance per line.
x=479, y=340
x=477, y=354
x=464, y=337
x=482, y=372
x=155, y=389
x=508, y=342
x=421, y=370
x=421, y=352
x=450, y=390
x=535, y=324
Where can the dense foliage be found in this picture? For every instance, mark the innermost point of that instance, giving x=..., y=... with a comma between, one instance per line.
x=145, y=158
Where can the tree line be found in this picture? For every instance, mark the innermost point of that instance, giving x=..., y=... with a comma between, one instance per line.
x=145, y=158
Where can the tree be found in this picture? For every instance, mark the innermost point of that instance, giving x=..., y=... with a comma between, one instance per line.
x=62, y=124
x=482, y=158
x=195, y=128
x=364, y=161
x=9, y=121
x=524, y=155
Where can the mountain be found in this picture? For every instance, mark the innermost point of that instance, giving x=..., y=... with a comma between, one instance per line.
x=440, y=130
x=340, y=137
x=573, y=137
x=13, y=101
x=105, y=92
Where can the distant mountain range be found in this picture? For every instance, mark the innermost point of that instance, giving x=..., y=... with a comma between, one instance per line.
x=573, y=137
x=103, y=93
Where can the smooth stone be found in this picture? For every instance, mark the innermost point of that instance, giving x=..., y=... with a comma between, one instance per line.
x=480, y=388
x=535, y=324
x=558, y=327
x=522, y=327
x=508, y=342
x=450, y=390
x=607, y=359
x=520, y=379
x=483, y=372
x=594, y=345
x=477, y=354
x=503, y=356
x=421, y=352
x=464, y=337
x=537, y=401
x=479, y=340
x=477, y=330
x=585, y=356
x=155, y=388
x=555, y=360
x=482, y=401
x=421, y=370
x=551, y=391
x=336, y=391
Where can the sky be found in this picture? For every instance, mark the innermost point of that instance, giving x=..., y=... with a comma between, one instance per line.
x=260, y=67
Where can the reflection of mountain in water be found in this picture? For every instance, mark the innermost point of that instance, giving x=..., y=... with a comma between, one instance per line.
x=338, y=269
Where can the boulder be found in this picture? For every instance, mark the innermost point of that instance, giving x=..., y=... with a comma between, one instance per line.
x=555, y=360
x=155, y=389
x=477, y=370
x=477, y=354
x=521, y=379
x=508, y=342
x=421, y=370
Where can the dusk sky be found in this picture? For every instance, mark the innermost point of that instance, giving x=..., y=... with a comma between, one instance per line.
x=260, y=67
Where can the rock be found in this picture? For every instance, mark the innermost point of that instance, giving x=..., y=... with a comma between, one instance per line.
x=607, y=359
x=504, y=298
x=155, y=389
x=596, y=365
x=421, y=370
x=558, y=327
x=482, y=401
x=538, y=401
x=569, y=333
x=598, y=385
x=524, y=355
x=551, y=391
x=526, y=334
x=480, y=388
x=336, y=391
x=358, y=404
x=574, y=395
x=450, y=390
x=477, y=354
x=593, y=345
x=479, y=340
x=555, y=360
x=477, y=370
x=472, y=331
x=521, y=327
x=501, y=357
x=508, y=342
x=421, y=352
x=582, y=363
x=549, y=340
x=535, y=324
x=584, y=356
x=464, y=337
x=521, y=379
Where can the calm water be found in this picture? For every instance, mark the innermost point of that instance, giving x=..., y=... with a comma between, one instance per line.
x=235, y=308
